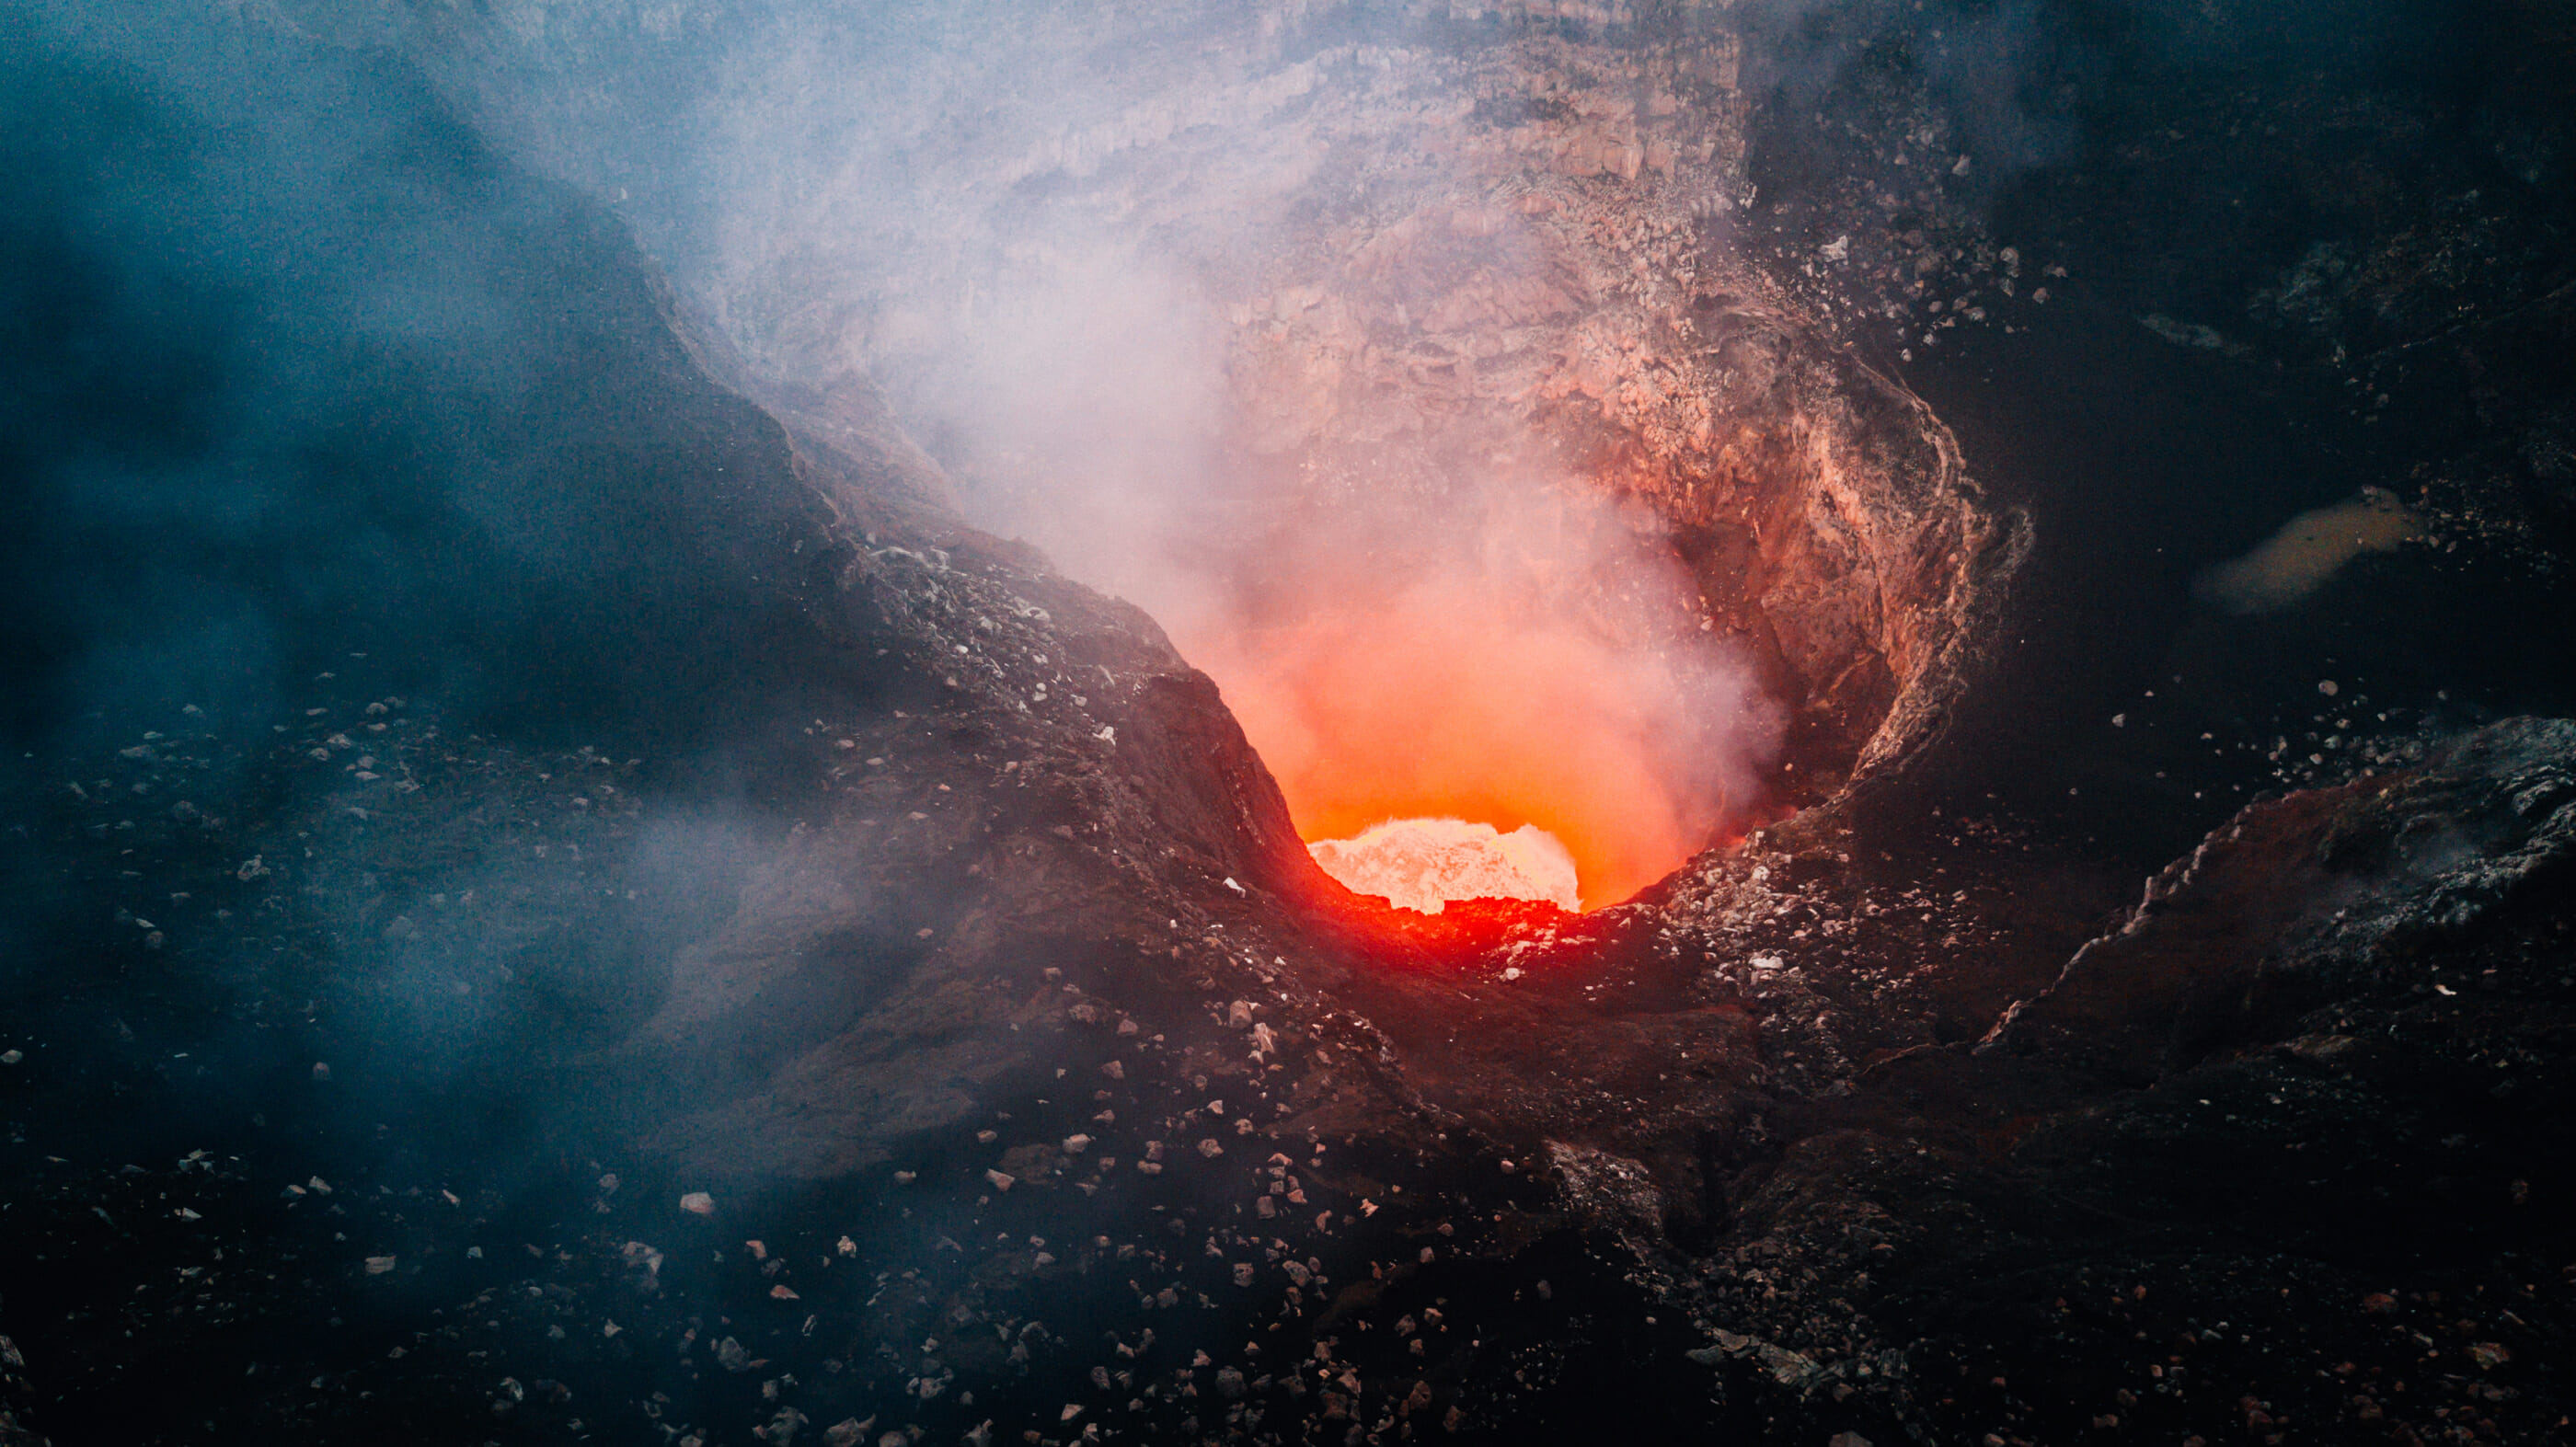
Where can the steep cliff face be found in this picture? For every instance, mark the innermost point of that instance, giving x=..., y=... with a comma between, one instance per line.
x=1497, y=241
x=1570, y=282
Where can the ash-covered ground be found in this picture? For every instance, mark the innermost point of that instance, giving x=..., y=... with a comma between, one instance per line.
x=556, y=890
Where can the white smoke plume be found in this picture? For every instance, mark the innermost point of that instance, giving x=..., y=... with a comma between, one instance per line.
x=1045, y=232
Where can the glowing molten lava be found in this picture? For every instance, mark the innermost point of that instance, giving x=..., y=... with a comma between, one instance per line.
x=1422, y=864
x=1455, y=694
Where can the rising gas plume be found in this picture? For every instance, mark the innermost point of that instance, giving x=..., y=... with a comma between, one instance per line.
x=1104, y=272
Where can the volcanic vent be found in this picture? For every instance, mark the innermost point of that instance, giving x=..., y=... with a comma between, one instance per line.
x=1417, y=387
x=1476, y=467
x=1519, y=675
x=1422, y=864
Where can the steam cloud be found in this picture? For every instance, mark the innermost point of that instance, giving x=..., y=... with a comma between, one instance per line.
x=2307, y=552
x=1038, y=229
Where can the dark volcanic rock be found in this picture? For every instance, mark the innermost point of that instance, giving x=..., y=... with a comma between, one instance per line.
x=2318, y=1065
x=2310, y=898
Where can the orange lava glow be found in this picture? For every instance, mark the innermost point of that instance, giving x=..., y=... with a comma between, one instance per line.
x=1441, y=703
